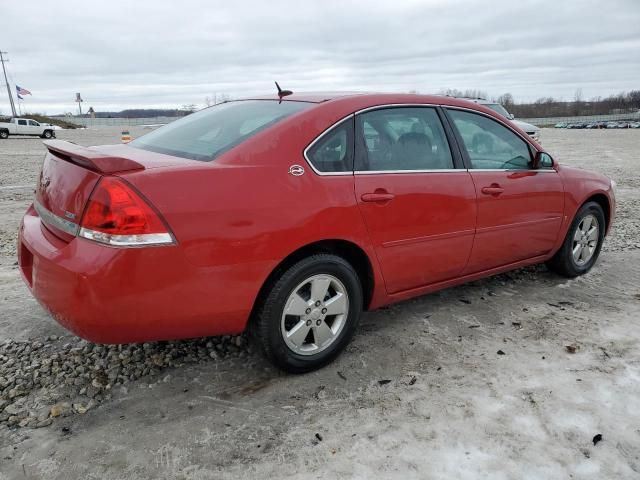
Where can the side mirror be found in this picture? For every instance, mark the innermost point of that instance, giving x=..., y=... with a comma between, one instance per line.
x=543, y=160
x=511, y=116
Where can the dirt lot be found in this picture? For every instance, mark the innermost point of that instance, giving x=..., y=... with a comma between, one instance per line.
x=422, y=392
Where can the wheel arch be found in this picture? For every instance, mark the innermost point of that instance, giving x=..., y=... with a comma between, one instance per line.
x=346, y=249
x=602, y=200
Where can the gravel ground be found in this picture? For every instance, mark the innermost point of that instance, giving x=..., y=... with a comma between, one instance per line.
x=511, y=376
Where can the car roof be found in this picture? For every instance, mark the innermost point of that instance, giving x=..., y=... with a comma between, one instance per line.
x=340, y=104
x=312, y=97
x=479, y=101
x=373, y=99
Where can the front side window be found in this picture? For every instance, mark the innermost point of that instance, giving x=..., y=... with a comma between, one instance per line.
x=333, y=152
x=489, y=144
x=401, y=138
x=210, y=132
x=34, y=124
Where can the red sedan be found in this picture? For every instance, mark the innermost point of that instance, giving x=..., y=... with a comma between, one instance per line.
x=290, y=216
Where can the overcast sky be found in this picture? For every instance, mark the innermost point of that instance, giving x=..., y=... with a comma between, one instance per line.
x=152, y=53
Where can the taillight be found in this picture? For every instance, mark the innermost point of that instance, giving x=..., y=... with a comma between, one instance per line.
x=116, y=215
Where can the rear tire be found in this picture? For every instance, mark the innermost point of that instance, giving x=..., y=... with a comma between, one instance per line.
x=4, y=134
x=309, y=314
x=583, y=242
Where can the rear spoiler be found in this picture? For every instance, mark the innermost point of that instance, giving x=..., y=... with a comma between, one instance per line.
x=91, y=159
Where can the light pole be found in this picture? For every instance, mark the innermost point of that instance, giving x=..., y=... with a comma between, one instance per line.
x=4, y=70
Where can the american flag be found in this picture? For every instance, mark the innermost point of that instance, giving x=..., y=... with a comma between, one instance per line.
x=22, y=91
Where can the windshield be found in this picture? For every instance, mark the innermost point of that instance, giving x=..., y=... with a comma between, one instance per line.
x=496, y=107
x=210, y=132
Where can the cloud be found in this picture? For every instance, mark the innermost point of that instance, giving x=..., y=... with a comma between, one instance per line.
x=165, y=54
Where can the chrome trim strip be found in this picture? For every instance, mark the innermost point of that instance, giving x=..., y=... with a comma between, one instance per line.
x=339, y=122
x=454, y=170
x=539, y=170
x=410, y=105
x=140, y=240
x=394, y=105
x=54, y=220
x=317, y=139
x=441, y=170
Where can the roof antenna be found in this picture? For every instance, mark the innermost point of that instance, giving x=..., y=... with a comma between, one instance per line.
x=282, y=93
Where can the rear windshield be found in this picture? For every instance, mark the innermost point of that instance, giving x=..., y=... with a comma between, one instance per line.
x=210, y=132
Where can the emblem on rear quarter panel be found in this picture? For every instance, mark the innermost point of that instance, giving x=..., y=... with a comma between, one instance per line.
x=296, y=170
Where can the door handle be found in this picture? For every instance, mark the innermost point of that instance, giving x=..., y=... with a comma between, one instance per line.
x=494, y=189
x=377, y=197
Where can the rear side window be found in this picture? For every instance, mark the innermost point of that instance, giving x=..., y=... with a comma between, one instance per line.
x=401, y=139
x=333, y=152
x=489, y=144
x=22, y=122
x=210, y=132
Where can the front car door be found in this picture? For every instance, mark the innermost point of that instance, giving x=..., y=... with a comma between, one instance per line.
x=520, y=207
x=34, y=128
x=419, y=208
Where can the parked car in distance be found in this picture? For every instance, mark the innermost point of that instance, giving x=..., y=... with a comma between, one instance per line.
x=561, y=125
x=289, y=215
x=612, y=125
x=634, y=124
x=25, y=126
x=531, y=130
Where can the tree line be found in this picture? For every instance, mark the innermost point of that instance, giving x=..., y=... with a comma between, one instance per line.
x=623, y=102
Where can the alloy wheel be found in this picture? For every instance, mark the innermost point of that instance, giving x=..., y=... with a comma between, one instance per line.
x=314, y=314
x=585, y=240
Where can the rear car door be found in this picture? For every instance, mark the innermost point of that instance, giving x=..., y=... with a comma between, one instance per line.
x=519, y=208
x=417, y=200
x=22, y=128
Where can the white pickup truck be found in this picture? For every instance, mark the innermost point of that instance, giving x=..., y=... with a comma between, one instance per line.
x=25, y=126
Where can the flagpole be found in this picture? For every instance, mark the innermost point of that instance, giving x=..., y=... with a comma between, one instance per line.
x=13, y=107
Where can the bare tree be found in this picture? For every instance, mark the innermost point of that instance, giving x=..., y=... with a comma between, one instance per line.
x=506, y=100
x=577, y=102
x=468, y=93
x=216, y=98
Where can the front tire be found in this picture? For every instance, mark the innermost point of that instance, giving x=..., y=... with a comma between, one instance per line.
x=309, y=314
x=47, y=134
x=583, y=242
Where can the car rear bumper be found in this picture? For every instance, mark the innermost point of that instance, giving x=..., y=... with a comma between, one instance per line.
x=123, y=295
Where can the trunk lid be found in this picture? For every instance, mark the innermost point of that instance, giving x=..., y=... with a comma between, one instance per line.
x=70, y=173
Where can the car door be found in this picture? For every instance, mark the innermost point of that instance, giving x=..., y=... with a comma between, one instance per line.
x=420, y=210
x=33, y=127
x=22, y=127
x=519, y=208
